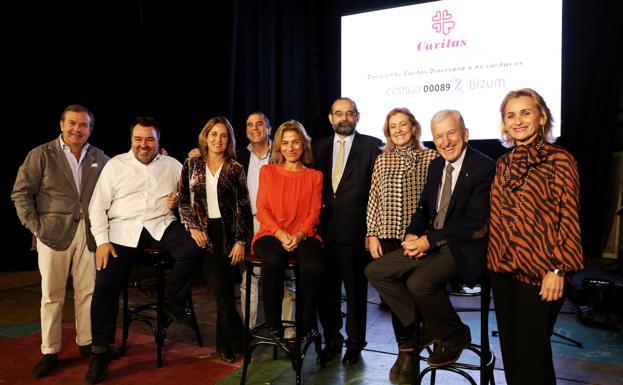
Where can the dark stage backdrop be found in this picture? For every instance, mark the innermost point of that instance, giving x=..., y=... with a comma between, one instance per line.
x=184, y=62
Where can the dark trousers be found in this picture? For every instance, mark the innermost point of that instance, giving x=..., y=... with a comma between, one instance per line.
x=406, y=283
x=344, y=263
x=401, y=332
x=525, y=323
x=274, y=258
x=221, y=277
x=110, y=281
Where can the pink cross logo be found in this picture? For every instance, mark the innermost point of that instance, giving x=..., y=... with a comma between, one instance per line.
x=442, y=22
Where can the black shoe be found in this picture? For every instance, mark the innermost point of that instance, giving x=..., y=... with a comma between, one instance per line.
x=178, y=311
x=45, y=366
x=449, y=350
x=351, y=357
x=84, y=350
x=227, y=354
x=329, y=352
x=98, y=364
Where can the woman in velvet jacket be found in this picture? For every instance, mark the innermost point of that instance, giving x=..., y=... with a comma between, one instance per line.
x=214, y=206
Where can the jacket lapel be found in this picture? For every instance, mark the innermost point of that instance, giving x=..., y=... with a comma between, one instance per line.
x=61, y=160
x=87, y=166
x=461, y=182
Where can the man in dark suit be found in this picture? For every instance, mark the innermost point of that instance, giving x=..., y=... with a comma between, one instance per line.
x=346, y=159
x=52, y=192
x=447, y=237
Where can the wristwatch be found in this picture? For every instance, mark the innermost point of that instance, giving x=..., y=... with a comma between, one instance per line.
x=242, y=243
x=560, y=273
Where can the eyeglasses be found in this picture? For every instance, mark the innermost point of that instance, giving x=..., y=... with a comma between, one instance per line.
x=341, y=114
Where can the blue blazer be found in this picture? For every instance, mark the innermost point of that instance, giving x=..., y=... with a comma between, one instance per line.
x=466, y=225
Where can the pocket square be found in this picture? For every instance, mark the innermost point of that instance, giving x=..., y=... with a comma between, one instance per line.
x=94, y=165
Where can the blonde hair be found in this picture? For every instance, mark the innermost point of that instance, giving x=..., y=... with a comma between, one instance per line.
x=390, y=146
x=544, y=114
x=292, y=125
x=230, y=151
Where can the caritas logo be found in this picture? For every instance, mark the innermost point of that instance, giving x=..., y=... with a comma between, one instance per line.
x=442, y=25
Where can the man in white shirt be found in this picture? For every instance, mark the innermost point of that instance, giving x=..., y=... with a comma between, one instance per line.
x=129, y=211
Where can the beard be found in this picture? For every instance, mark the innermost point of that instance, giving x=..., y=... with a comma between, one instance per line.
x=345, y=128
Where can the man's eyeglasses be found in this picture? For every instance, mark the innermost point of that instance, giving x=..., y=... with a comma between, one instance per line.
x=341, y=114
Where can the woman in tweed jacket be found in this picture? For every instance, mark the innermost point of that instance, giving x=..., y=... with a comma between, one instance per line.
x=397, y=181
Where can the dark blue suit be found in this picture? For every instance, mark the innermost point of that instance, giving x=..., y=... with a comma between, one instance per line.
x=343, y=229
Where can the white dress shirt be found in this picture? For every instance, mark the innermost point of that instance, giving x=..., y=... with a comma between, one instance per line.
x=73, y=163
x=457, y=164
x=348, y=144
x=130, y=195
x=253, y=174
x=212, y=192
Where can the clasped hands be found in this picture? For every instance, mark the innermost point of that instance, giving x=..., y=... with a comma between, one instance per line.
x=289, y=241
x=415, y=247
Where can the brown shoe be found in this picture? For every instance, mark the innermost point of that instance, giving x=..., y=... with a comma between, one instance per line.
x=395, y=370
x=448, y=351
x=406, y=370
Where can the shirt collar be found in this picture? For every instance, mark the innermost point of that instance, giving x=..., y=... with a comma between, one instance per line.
x=347, y=139
x=64, y=146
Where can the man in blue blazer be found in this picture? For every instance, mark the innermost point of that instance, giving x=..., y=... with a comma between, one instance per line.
x=447, y=237
x=346, y=159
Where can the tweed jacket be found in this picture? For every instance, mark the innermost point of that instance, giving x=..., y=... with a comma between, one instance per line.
x=45, y=195
x=233, y=202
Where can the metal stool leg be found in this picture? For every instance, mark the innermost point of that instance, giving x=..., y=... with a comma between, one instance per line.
x=126, y=321
x=247, y=325
x=160, y=316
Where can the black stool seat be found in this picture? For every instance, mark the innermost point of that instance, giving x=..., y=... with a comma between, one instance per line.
x=152, y=314
x=485, y=356
x=259, y=335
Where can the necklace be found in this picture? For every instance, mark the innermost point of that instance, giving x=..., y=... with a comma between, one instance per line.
x=507, y=191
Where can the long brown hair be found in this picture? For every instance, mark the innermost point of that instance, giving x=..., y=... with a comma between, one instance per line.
x=230, y=151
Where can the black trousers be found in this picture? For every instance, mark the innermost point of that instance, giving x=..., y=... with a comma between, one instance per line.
x=109, y=281
x=525, y=323
x=274, y=258
x=344, y=263
x=221, y=277
x=401, y=332
x=406, y=283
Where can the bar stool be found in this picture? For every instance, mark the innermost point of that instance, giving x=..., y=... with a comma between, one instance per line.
x=253, y=337
x=483, y=351
x=152, y=314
